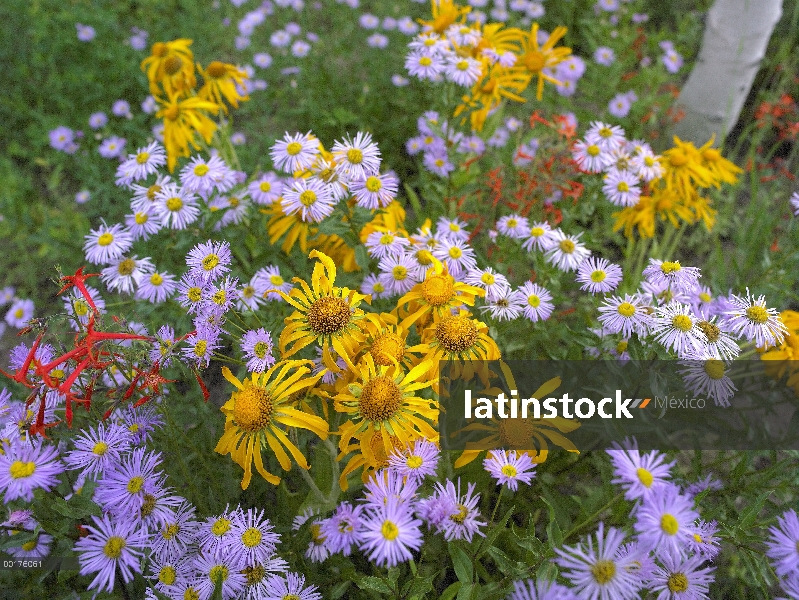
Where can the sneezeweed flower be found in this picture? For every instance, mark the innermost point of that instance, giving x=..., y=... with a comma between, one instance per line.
x=222, y=82
x=25, y=467
x=255, y=413
x=541, y=590
x=750, y=319
x=666, y=522
x=112, y=547
x=626, y=315
x=183, y=119
x=640, y=476
x=598, y=275
x=682, y=578
x=536, y=60
x=599, y=572
x=510, y=468
x=415, y=462
x=536, y=300
x=782, y=546
x=290, y=586
x=390, y=533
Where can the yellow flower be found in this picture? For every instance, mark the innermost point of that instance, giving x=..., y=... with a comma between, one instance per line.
x=220, y=80
x=182, y=120
x=784, y=359
x=171, y=65
x=382, y=404
x=256, y=412
x=523, y=435
x=498, y=83
x=378, y=458
x=534, y=59
x=386, y=340
x=721, y=169
x=325, y=314
x=445, y=13
x=436, y=296
x=683, y=168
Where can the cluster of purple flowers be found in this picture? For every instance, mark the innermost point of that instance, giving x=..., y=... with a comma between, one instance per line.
x=437, y=139
x=783, y=550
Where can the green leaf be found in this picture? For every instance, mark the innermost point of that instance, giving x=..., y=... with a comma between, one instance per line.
x=451, y=591
x=513, y=569
x=467, y=591
x=461, y=563
x=362, y=257
x=333, y=226
x=635, y=349
x=418, y=587
x=339, y=591
x=413, y=198
x=374, y=584
x=494, y=532
x=554, y=534
x=749, y=515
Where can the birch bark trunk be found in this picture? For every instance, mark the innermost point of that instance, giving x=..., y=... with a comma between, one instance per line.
x=734, y=44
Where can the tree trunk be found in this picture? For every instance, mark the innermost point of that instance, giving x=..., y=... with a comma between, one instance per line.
x=736, y=36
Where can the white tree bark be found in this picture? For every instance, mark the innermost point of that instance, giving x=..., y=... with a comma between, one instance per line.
x=737, y=33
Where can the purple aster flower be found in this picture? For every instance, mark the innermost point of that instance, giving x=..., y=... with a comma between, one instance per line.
x=749, y=318
x=111, y=547
x=209, y=260
x=782, y=546
x=463, y=520
x=253, y=538
x=390, y=533
x=640, y=476
x=311, y=198
x=681, y=578
x=266, y=189
x=156, y=287
x=385, y=484
x=541, y=590
x=121, y=108
x=417, y=462
x=62, y=138
x=666, y=522
x=213, y=569
x=200, y=347
x=343, y=529
x=598, y=275
x=139, y=421
x=25, y=467
x=509, y=468
x=619, y=106
x=98, y=449
x=107, y=243
x=176, y=207
x=290, y=585
x=97, y=120
x=112, y=147
x=177, y=533
x=257, y=347
x=604, y=56
x=438, y=164
x=705, y=542
x=121, y=490
x=191, y=291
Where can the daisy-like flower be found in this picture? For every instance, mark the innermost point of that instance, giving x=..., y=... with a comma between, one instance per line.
x=598, y=275
x=457, y=255
x=295, y=152
x=344, y=529
x=463, y=70
x=201, y=346
x=257, y=348
x=495, y=284
x=209, y=260
x=795, y=203
x=170, y=576
x=621, y=188
x=514, y=226
x=782, y=546
x=125, y=273
x=372, y=286
x=269, y=278
x=216, y=569
x=176, y=207
x=438, y=164
x=505, y=307
x=290, y=586
x=121, y=490
x=311, y=198
x=715, y=342
x=415, y=462
x=539, y=237
x=143, y=224
x=374, y=191
x=191, y=291
x=626, y=315
x=398, y=273
x=453, y=230
x=537, y=301
x=140, y=422
x=266, y=189
x=424, y=65
x=144, y=196
x=219, y=297
x=97, y=449
x=464, y=519
x=386, y=483
x=566, y=252
x=675, y=328
x=681, y=279
x=358, y=158
x=541, y=590
x=199, y=175
x=607, y=137
x=681, y=578
x=590, y=158
x=25, y=467
x=255, y=539
x=390, y=533
x=20, y=313
x=257, y=412
x=112, y=546
x=141, y=165
x=647, y=165
x=107, y=243
x=176, y=534
x=597, y=571
x=510, y=468
x=317, y=550
x=640, y=476
x=666, y=522
x=381, y=244
x=752, y=320
x=215, y=534
x=705, y=542
x=156, y=287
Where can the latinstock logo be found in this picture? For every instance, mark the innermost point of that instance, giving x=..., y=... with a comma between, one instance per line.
x=515, y=407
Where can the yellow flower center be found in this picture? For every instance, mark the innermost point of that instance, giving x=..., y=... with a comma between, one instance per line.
x=152, y=191
x=174, y=204
x=705, y=297
x=682, y=322
x=566, y=246
x=135, y=484
x=592, y=150
x=385, y=346
x=260, y=349
x=233, y=201
x=373, y=184
x=711, y=155
x=172, y=113
x=28, y=546
x=460, y=516
x=644, y=477
x=425, y=61
x=355, y=156
x=649, y=161
x=172, y=65
x=308, y=197
x=669, y=524
x=293, y=148
x=389, y=530
x=622, y=186
x=141, y=218
x=191, y=594
x=156, y=279
x=265, y=186
x=100, y=448
x=142, y=157
x=697, y=538
x=711, y=331
x=329, y=315
x=380, y=399
x=113, y=547
x=220, y=527
x=455, y=252
x=316, y=534
x=414, y=462
x=678, y=582
x=605, y=132
x=456, y=333
x=621, y=347
x=20, y=470
x=603, y=571
x=254, y=574
x=757, y=314
x=200, y=347
x=424, y=257
x=516, y=433
x=626, y=310
x=148, y=506
x=438, y=289
x=678, y=159
x=533, y=300
x=80, y=306
x=670, y=267
x=462, y=65
x=216, y=69
x=598, y=276
x=252, y=408
x=219, y=297
x=170, y=531
x=126, y=267
x=218, y=573
x=509, y=471
x=167, y=575
x=194, y=294
x=535, y=61
x=399, y=273
x=105, y=239
x=714, y=368
x=488, y=278
x=276, y=280
x=251, y=538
